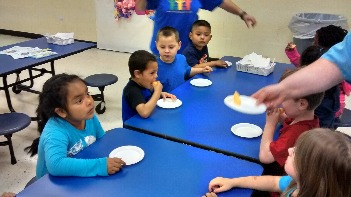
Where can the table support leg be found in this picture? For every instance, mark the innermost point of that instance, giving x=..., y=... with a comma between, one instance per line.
x=7, y=94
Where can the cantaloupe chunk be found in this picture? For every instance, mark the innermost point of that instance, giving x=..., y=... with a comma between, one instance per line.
x=237, y=99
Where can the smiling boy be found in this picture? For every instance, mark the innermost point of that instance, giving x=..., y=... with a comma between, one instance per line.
x=196, y=52
x=142, y=92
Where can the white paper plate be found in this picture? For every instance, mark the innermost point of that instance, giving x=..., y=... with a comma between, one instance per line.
x=228, y=63
x=201, y=82
x=248, y=105
x=169, y=103
x=246, y=130
x=129, y=154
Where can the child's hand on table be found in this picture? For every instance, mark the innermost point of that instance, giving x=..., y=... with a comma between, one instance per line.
x=206, y=69
x=168, y=95
x=114, y=165
x=220, y=63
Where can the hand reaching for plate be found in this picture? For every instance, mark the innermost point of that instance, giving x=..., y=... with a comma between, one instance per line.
x=114, y=165
x=168, y=95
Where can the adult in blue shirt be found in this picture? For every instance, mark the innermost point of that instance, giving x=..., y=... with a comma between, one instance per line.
x=181, y=14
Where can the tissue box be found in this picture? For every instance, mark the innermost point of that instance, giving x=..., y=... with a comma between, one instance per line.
x=60, y=38
x=255, y=64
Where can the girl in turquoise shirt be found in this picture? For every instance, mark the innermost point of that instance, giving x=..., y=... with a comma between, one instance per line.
x=67, y=125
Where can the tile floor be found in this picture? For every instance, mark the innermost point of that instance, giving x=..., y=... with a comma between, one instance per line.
x=14, y=177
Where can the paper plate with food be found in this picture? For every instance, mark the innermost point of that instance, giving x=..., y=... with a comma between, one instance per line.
x=244, y=104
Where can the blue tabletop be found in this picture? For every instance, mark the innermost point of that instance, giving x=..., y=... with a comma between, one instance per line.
x=204, y=120
x=9, y=65
x=168, y=169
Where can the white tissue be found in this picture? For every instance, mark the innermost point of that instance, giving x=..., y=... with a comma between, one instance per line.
x=255, y=60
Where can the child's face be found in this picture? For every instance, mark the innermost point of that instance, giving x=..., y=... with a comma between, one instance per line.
x=167, y=47
x=289, y=166
x=200, y=36
x=148, y=76
x=291, y=107
x=80, y=105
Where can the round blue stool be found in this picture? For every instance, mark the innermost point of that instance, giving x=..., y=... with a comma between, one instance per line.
x=11, y=123
x=100, y=81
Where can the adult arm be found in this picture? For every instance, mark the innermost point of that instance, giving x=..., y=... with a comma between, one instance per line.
x=317, y=77
x=262, y=183
x=231, y=7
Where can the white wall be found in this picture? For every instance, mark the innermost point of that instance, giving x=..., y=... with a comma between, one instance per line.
x=230, y=35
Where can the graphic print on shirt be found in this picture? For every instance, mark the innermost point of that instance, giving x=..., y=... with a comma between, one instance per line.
x=76, y=148
x=89, y=139
x=179, y=5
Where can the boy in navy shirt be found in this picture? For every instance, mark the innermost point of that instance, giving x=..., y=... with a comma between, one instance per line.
x=196, y=52
x=142, y=92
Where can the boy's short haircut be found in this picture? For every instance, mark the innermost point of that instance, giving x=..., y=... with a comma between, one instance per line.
x=314, y=100
x=139, y=60
x=200, y=23
x=167, y=32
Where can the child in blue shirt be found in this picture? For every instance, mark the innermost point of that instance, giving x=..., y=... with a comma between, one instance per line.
x=141, y=93
x=196, y=52
x=318, y=165
x=172, y=67
x=67, y=124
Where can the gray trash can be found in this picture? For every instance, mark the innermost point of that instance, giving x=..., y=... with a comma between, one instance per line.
x=304, y=26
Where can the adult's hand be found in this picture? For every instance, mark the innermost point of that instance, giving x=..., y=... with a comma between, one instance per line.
x=272, y=96
x=249, y=20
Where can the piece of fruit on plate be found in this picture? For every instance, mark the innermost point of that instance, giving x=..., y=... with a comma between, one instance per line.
x=237, y=100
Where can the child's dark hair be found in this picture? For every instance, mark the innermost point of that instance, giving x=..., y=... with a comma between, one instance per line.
x=314, y=100
x=311, y=54
x=200, y=23
x=168, y=31
x=139, y=60
x=53, y=95
x=330, y=35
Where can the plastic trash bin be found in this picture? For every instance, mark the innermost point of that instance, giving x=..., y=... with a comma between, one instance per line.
x=304, y=26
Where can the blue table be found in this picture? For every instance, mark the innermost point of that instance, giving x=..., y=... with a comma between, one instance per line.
x=204, y=120
x=8, y=65
x=168, y=169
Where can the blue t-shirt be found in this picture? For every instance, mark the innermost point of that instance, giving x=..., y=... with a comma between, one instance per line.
x=133, y=95
x=284, y=183
x=181, y=17
x=340, y=54
x=60, y=141
x=172, y=75
x=194, y=56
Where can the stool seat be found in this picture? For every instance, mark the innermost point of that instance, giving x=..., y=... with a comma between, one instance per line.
x=13, y=122
x=100, y=80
